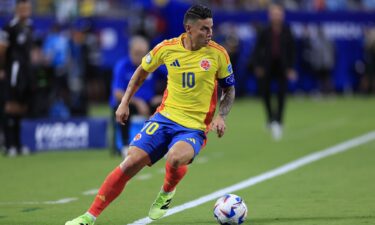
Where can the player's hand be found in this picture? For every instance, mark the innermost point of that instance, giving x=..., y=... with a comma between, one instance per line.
x=122, y=113
x=218, y=125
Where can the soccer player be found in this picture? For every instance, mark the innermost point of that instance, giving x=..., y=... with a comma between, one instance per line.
x=196, y=65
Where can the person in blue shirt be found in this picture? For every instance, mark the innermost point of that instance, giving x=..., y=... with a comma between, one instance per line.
x=146, y=99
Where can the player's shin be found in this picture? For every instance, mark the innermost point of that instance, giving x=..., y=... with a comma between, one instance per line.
x=110, y=189
x=173, y=176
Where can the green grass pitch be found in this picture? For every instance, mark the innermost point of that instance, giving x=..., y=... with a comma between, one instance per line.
x=337, y=190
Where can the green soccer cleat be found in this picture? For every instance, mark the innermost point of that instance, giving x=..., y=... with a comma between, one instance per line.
x=82, y=220
x=161, y=204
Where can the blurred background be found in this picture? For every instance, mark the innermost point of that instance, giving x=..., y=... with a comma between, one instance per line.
x=76, y=44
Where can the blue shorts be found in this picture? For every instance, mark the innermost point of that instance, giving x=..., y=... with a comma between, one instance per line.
x=159, y=134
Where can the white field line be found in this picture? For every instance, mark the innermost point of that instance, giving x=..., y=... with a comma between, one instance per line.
x=91, y=192
x=342, y=147
x=145, y=176
x=60, y=201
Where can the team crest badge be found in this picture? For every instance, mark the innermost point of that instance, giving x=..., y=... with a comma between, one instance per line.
x=148, y=58
x=205, y=64
x=137, y=137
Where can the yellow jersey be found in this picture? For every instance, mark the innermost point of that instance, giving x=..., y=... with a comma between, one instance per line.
x=191, y=94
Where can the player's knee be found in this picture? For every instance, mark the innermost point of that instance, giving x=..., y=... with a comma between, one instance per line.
x=175, y=159
x=133, y=163
x=129, y=164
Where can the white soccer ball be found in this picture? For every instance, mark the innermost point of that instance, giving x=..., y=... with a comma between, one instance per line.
x=230, y=210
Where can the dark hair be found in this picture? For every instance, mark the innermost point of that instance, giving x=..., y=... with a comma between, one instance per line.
x=197, y=12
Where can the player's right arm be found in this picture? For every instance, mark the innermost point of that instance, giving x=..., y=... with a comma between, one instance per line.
x=122, y=112
x=149, y=64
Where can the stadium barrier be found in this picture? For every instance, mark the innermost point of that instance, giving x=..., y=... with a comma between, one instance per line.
x=59, y=134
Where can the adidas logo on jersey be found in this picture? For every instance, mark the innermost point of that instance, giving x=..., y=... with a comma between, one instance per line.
x=175, y=63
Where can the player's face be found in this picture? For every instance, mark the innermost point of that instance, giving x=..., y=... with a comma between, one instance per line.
x=23, y=10
x=201, y=32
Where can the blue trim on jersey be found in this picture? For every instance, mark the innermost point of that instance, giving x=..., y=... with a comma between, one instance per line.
x=159, y=134
x=227, y=81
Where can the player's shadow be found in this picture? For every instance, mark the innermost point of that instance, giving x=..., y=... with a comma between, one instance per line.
x=265, y=221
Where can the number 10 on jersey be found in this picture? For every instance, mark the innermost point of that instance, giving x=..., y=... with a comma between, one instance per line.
x=188, y=79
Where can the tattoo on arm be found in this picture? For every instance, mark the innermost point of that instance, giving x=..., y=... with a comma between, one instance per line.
x=139, y=81
x=226, y=101
x=135, y=82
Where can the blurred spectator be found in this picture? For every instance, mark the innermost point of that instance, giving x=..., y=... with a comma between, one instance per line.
x=56, y=51
x=15, y=47
x=6, y=7
x=79, y=65
x=147, y=22
x=334, y=5
x=87, y=8
x=255, y=5
x=43, y=7
x=41, y=81
x=66, y=10
x=95, y=77
x=273, y=60
x=291, y=4
x=368, y=81
x=320, y=55
x=368, y=4
x=143, y=103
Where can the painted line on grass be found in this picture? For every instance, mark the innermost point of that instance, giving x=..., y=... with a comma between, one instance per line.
x=60, y=201
x=91, y=192
x=342, y=147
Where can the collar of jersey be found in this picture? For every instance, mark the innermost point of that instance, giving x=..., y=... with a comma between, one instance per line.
x=183, y=35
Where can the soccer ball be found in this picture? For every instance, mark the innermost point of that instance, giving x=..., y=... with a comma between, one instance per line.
x=230, y=209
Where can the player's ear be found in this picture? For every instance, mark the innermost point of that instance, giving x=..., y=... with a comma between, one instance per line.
x=187, y=28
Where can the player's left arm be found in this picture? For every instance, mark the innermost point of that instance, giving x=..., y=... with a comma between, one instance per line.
x=226, y=80
x=226, y=102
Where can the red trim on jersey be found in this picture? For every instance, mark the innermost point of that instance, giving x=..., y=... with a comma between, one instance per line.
x=162, y=104
x=164, y=43
x=211, y=111
x=220, y=48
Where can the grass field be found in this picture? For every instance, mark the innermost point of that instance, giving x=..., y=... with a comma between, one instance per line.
x=335, y=190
